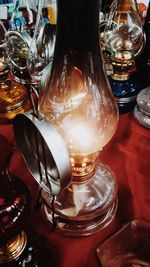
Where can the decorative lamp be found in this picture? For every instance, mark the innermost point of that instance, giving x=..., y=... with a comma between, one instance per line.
x=124, y=39
x=19, y=244
x=19, y=37
x=15, y=207
x=13, y=96
x=78, y=103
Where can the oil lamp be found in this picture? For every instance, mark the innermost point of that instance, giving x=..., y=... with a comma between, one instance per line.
x=13, y=96
x=19, y=244
x=124, y=39
x=78, y=103
x=19, y=37
x=15, y=206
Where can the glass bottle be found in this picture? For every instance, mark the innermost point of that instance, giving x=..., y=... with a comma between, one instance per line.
x=42, y=45
x=124, y=39
x=78, y=102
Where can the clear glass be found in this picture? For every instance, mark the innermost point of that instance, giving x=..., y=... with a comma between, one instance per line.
x=19, y=36
x=84, y=208
x=78, y=101
x=142, y=109
x=128, y=247
x=123, y=34
x=43, y=41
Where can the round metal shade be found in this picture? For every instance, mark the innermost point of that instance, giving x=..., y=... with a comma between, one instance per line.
x=44, y=152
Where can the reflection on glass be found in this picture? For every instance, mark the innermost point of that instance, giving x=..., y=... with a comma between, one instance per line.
x=3, y=54
x=19, y=36
x=78, y=102
x=42, y=45
x=23, y=16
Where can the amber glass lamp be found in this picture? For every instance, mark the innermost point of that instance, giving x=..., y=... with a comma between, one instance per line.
x=13, y=96
x=76, y=100
x=124, y=40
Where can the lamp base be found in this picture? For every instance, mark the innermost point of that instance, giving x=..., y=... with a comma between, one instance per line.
x=23, y=77
x=84, y=208
x=142, y=118
x=13, y=99
x=142, y=109
x=125, y=92
x=13, y=249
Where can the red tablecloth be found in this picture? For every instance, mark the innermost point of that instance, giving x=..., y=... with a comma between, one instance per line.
x=128, y=155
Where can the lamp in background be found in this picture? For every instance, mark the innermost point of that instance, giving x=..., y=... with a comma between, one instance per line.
x=124, y=39
x=3, y=54
x=43, y=41
x=142, y=109
x=16, y=207
x=103, y=18
x=19, y=37
x=143, y=61
x=76, y=100
x=19, y=245
x=13, y=96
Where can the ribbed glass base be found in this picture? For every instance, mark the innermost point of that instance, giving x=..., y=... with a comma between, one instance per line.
x=84, y=208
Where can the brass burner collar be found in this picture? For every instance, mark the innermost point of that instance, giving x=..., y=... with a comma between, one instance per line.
x=13, y=249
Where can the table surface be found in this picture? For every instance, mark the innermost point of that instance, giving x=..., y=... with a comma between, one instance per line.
x=128, y=156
